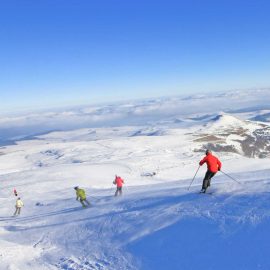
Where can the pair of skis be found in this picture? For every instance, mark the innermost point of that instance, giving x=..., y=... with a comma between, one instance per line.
x=209, y=193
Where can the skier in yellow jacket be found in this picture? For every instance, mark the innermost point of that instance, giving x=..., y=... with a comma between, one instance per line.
x=80, y=193
x=18, y=206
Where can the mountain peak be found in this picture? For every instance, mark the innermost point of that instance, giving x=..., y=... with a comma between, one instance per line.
x=225, y=120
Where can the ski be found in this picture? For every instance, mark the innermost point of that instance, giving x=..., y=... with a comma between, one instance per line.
x=209, y=193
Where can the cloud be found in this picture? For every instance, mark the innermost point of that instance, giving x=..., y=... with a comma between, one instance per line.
x=128, y=113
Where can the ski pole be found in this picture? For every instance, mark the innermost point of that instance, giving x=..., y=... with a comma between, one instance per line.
x=194, y=177
x=112, y=188
x=231, y=177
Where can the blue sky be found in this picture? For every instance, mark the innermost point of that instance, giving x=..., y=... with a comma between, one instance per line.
x=63, y=52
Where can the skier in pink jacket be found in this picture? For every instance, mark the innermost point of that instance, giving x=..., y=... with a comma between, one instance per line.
x=118, y=181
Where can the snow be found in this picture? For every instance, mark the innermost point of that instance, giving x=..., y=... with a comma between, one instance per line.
x=158, y=223
x=139, y=112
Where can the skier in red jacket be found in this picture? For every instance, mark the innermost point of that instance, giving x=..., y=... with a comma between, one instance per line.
x=118, y=181
x=213, y=165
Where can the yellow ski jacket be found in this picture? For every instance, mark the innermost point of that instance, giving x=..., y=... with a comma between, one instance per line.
x=80, y=194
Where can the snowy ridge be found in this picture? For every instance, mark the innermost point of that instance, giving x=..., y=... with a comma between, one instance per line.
x=224, y=120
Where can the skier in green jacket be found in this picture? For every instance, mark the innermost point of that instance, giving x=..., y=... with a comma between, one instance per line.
x=80, y=193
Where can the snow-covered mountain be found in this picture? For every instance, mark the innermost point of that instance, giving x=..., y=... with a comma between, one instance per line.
x=226, y=133
x=158, y=223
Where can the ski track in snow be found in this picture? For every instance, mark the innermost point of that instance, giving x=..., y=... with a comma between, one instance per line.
x=69, y=237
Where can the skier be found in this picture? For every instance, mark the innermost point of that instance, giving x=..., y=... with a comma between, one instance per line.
x=80, y=193
x=18, y=206
x=118, y=181
x=148, y=174
x=15, y=192
x=213, y=165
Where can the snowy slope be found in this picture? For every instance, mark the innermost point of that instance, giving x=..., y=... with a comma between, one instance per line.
x=158, y=223
x=152, y=227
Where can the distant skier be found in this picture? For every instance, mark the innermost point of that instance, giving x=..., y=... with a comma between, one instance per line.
x=151, y=174
x=80, y=193
x=213, y=165
x=15, y=192
x=18, y=206
x=118, y=181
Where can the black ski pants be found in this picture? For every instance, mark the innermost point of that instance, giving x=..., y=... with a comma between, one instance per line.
x=207, y=179
x=118, y=191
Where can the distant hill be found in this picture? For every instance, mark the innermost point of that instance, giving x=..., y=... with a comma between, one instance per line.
x=226, y=133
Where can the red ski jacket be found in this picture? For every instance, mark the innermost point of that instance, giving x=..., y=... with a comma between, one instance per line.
x=118, y=181
x=213, y=163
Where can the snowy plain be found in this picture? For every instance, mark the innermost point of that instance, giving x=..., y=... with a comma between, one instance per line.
x=158, y=223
